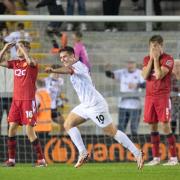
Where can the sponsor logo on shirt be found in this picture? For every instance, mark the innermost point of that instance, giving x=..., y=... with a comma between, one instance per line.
x=19, y=72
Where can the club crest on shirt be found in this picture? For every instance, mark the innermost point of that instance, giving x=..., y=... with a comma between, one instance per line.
x=169, y=63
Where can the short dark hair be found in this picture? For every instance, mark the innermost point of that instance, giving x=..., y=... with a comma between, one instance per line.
x=67, y=49
x=156, y=38
x=20, y=26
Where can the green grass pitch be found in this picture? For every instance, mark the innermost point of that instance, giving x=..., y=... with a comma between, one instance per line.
x=90, y=171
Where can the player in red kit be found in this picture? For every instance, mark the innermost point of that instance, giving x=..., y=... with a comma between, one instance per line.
x=157, y=70
x=23, y=107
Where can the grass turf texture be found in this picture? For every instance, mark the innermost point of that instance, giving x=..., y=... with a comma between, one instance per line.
x=91, y=171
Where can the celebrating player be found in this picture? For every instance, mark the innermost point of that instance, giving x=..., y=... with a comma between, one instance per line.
x=92, y=106
x=23, y=108
x=157, y=71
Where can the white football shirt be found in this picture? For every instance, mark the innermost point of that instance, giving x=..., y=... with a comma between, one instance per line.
x=83, y=85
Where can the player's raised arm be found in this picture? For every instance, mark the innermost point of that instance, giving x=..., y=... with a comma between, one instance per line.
x=62, y=70
x=24, y=50
x=3, y=60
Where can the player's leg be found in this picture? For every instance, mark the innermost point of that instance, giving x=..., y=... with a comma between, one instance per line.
x=13, y=121
x=70, y=124
x=150, y=117
x=100, y=115
x=155, y=141
x=163, y=108
x=123, y=139
x=171, y=144
x=11, y=143
x=28, y=118
x=36, y=145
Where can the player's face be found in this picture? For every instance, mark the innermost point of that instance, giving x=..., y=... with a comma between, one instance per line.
x=66, y=58
x=131, y=66
x=156, y=45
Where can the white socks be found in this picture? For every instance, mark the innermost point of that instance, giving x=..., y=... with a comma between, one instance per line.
x=77, y=139
x=119, y=137
x=126, y=142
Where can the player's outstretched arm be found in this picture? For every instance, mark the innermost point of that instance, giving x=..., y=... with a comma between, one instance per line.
x=29, y=60
x=3, y=60
x=62, y=70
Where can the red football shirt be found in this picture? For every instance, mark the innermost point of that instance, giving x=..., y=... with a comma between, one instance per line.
x=24, y=79
x=158, y=87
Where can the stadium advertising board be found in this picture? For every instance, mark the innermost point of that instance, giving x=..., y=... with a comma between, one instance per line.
x=101, y=149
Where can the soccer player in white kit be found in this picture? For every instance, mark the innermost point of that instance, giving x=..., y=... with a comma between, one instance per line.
x=93, y=106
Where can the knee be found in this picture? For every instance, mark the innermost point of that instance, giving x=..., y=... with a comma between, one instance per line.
x=110, y=131
x=67, y=125
x=166, y=128
x=154, y=127
x=12, y=131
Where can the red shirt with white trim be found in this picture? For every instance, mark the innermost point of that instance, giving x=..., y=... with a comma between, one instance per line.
x=24, y=79
x=157, y=87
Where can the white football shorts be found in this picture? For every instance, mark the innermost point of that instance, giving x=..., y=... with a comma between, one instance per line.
x=98, y=113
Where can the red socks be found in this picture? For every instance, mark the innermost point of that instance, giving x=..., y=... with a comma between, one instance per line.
x=155, y=140
x=11, y=147
x=172, y=145
x=37, y=147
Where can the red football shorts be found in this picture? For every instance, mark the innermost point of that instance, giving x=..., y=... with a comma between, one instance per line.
x=157, y=109
x=23, y=112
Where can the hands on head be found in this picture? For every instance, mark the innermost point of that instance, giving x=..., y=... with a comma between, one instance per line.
x=155, y=51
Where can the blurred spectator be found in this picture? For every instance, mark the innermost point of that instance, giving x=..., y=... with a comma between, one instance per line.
x=80, y=49
x=63, y=42
x=175, y=98
x=81, y=11
x=54, y=85
x=10, y=6
x=55, y=8
x=111, y=7
x=135, y=4
x=156, y=7
x=43, y=102
x=15, y=36
x=130, y=80
x=6, y=6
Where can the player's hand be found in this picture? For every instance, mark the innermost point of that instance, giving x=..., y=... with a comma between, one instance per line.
x=48, y=70
x=9, y=45
x=156, y=54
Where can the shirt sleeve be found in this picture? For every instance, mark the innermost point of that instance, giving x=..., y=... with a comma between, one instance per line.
x=145, y=61
x=168, y=63
x=79, y=68
x=118, y=74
